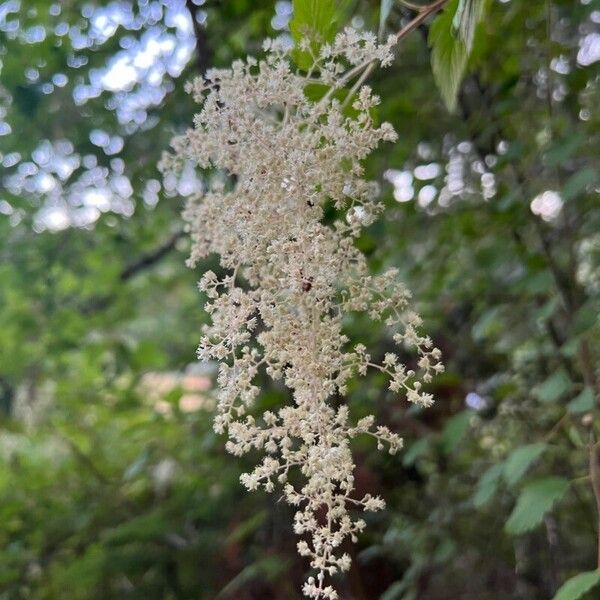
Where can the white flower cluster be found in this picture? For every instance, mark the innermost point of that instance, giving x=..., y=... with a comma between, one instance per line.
x=292, y=275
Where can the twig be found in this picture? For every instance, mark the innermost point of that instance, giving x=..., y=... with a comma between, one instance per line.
x=147, y=260
x=424, y=12
x=203, y=51
x=358, y=83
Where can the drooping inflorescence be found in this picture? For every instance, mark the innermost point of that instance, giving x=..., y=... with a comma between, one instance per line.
x=291, y=276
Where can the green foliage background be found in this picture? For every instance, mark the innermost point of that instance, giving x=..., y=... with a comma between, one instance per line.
x=102, y=495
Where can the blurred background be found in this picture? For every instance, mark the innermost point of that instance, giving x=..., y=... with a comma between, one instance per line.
x=112, y=483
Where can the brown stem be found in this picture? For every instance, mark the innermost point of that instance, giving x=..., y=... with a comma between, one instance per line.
x=203, y=51
x=425, y=12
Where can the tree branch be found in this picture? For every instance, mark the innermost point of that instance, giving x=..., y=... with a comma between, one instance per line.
x=423, y=13
x=151, y=258
x=203, y=51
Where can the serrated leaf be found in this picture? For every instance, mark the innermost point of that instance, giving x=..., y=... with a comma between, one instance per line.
x=468, y=14
x=535, y=500
x=450, y=53
x=553, y=388
x=577, y=586
x=520, y=460
x=584, y=402
x=488, y=485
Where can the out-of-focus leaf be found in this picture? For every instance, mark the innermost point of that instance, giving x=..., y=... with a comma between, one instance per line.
x=444, y=551
x=585, y=318
x=247, y=527
x=450, y=52
x=520, y=460
x=415, y=450
x=546, y=311
x=144, y=528
x=578, y=182
x=487, y=325
x=583, y=402
x=84, y=571
x=553, y=388
x=563, y=149
x=394, y=592
x=577, y=586
x=488, y=485
x=385, y=6
x=137, y=466
x=535, y=500
x=454, y=431
x=267, y=568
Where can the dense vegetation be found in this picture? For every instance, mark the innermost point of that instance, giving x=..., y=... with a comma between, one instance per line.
x=112, y=482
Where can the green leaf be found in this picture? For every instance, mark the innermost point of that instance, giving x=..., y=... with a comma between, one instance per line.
x=315, y=20
x=468, y=14
x=265, y=569
x=487, y=325
x=143, y=528
x=584, y=402
x=553, y=388
x=520, y=460
x=535, y=500
x=547, y=310
x=578, y=182
x=585, y=318
x=577, y=586
x=415, y=450
x=247, y=527
x=488, y=485
x=454, y=431
x=563, y=149
x=450, y=53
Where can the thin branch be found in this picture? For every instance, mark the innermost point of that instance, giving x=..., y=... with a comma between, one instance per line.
x=151, y=258
x=203, y=51
x=424, y=12
x=146, y=261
